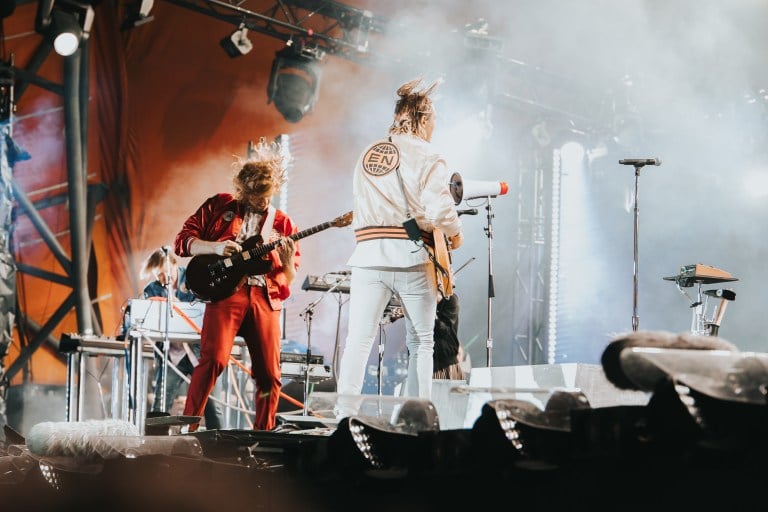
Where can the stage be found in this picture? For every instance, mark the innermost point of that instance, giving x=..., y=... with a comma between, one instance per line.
x=449, y=470
x=550, y=437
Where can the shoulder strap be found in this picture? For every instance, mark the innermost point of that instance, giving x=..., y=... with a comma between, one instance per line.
x=266, y=228
x=402, y=186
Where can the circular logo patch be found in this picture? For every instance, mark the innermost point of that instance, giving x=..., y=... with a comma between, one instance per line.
x=382, y=158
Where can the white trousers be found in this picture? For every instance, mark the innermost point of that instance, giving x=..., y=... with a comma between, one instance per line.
x=370, y=292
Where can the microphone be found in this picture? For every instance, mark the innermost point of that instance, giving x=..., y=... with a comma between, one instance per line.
x=639, y=162
x=470, y=211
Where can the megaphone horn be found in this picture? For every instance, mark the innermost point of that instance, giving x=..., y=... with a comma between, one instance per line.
x=473, y=189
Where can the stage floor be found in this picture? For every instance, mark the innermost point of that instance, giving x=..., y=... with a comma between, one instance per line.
x=609, y=459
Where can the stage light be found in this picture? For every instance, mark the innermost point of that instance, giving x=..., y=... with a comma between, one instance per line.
x=237, y=43
x=66, y=23
x=386, y=435
x=138, y=13
x=66, y=33
x=294, y=80
x=6, y=91
x=517, y=432
x=6, y=8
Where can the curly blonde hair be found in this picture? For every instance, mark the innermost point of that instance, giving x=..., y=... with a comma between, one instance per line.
x=263, y=172
x=411, y=106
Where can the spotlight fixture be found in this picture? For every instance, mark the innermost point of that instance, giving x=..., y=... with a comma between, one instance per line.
x=138, y=13
x=66, y=23
x=294, y=80
x=511, y=431
x=237, y=43
x=6, y=91
x=386, y=445
x=6, y=8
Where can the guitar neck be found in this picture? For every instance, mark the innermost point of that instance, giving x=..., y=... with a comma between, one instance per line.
x=263, y=249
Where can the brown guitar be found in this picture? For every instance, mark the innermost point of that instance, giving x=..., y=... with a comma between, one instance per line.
x=442, y=260
x=211, y=277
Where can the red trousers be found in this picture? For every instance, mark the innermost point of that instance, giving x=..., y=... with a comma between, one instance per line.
x=247, y=313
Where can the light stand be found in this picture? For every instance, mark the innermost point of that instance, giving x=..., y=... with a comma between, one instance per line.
x=307, y=316
x=638, y=163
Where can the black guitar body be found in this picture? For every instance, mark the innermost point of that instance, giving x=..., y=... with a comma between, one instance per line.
x=211, y=277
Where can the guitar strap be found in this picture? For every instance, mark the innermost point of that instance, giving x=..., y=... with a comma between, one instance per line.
x=266, y=228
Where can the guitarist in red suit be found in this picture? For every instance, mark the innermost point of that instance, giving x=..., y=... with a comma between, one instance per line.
x=221, y=226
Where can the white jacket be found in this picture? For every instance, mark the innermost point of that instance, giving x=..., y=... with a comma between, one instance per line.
x=379, y=201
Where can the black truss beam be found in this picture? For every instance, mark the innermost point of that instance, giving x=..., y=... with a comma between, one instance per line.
x=332, y=27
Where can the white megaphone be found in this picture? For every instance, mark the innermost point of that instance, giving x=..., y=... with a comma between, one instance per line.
x=473, y=189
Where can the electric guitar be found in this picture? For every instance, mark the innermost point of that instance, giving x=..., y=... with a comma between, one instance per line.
x=211, y=277
x=441, y=257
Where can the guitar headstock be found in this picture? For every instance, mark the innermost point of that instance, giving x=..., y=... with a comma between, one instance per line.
x=342, y=220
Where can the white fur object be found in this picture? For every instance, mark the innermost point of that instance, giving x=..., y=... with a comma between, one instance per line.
x=76, y=438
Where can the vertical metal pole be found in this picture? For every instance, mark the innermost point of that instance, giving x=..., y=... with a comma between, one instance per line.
x=115, y=412
x=491, y=292
x=72, y=389
x=82, y=362
x=635, y=317
x=77, y=191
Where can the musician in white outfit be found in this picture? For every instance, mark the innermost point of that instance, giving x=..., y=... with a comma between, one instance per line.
x=398, y=179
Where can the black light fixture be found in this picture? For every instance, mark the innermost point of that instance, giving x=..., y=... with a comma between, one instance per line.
x=295, y=79
x=237, y=43
x=139, y=13
x=65, y=22
x=382, y=446
x=518, y=433
x=6, y=8
x=6, y=91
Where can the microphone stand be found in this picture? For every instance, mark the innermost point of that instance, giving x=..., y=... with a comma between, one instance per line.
x=335, y=362
x=307, y=315
x=166, y=337
x=491, y=294
x=635, y=318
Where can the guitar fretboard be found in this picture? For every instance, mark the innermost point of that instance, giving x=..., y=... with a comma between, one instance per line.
x=265, y=248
